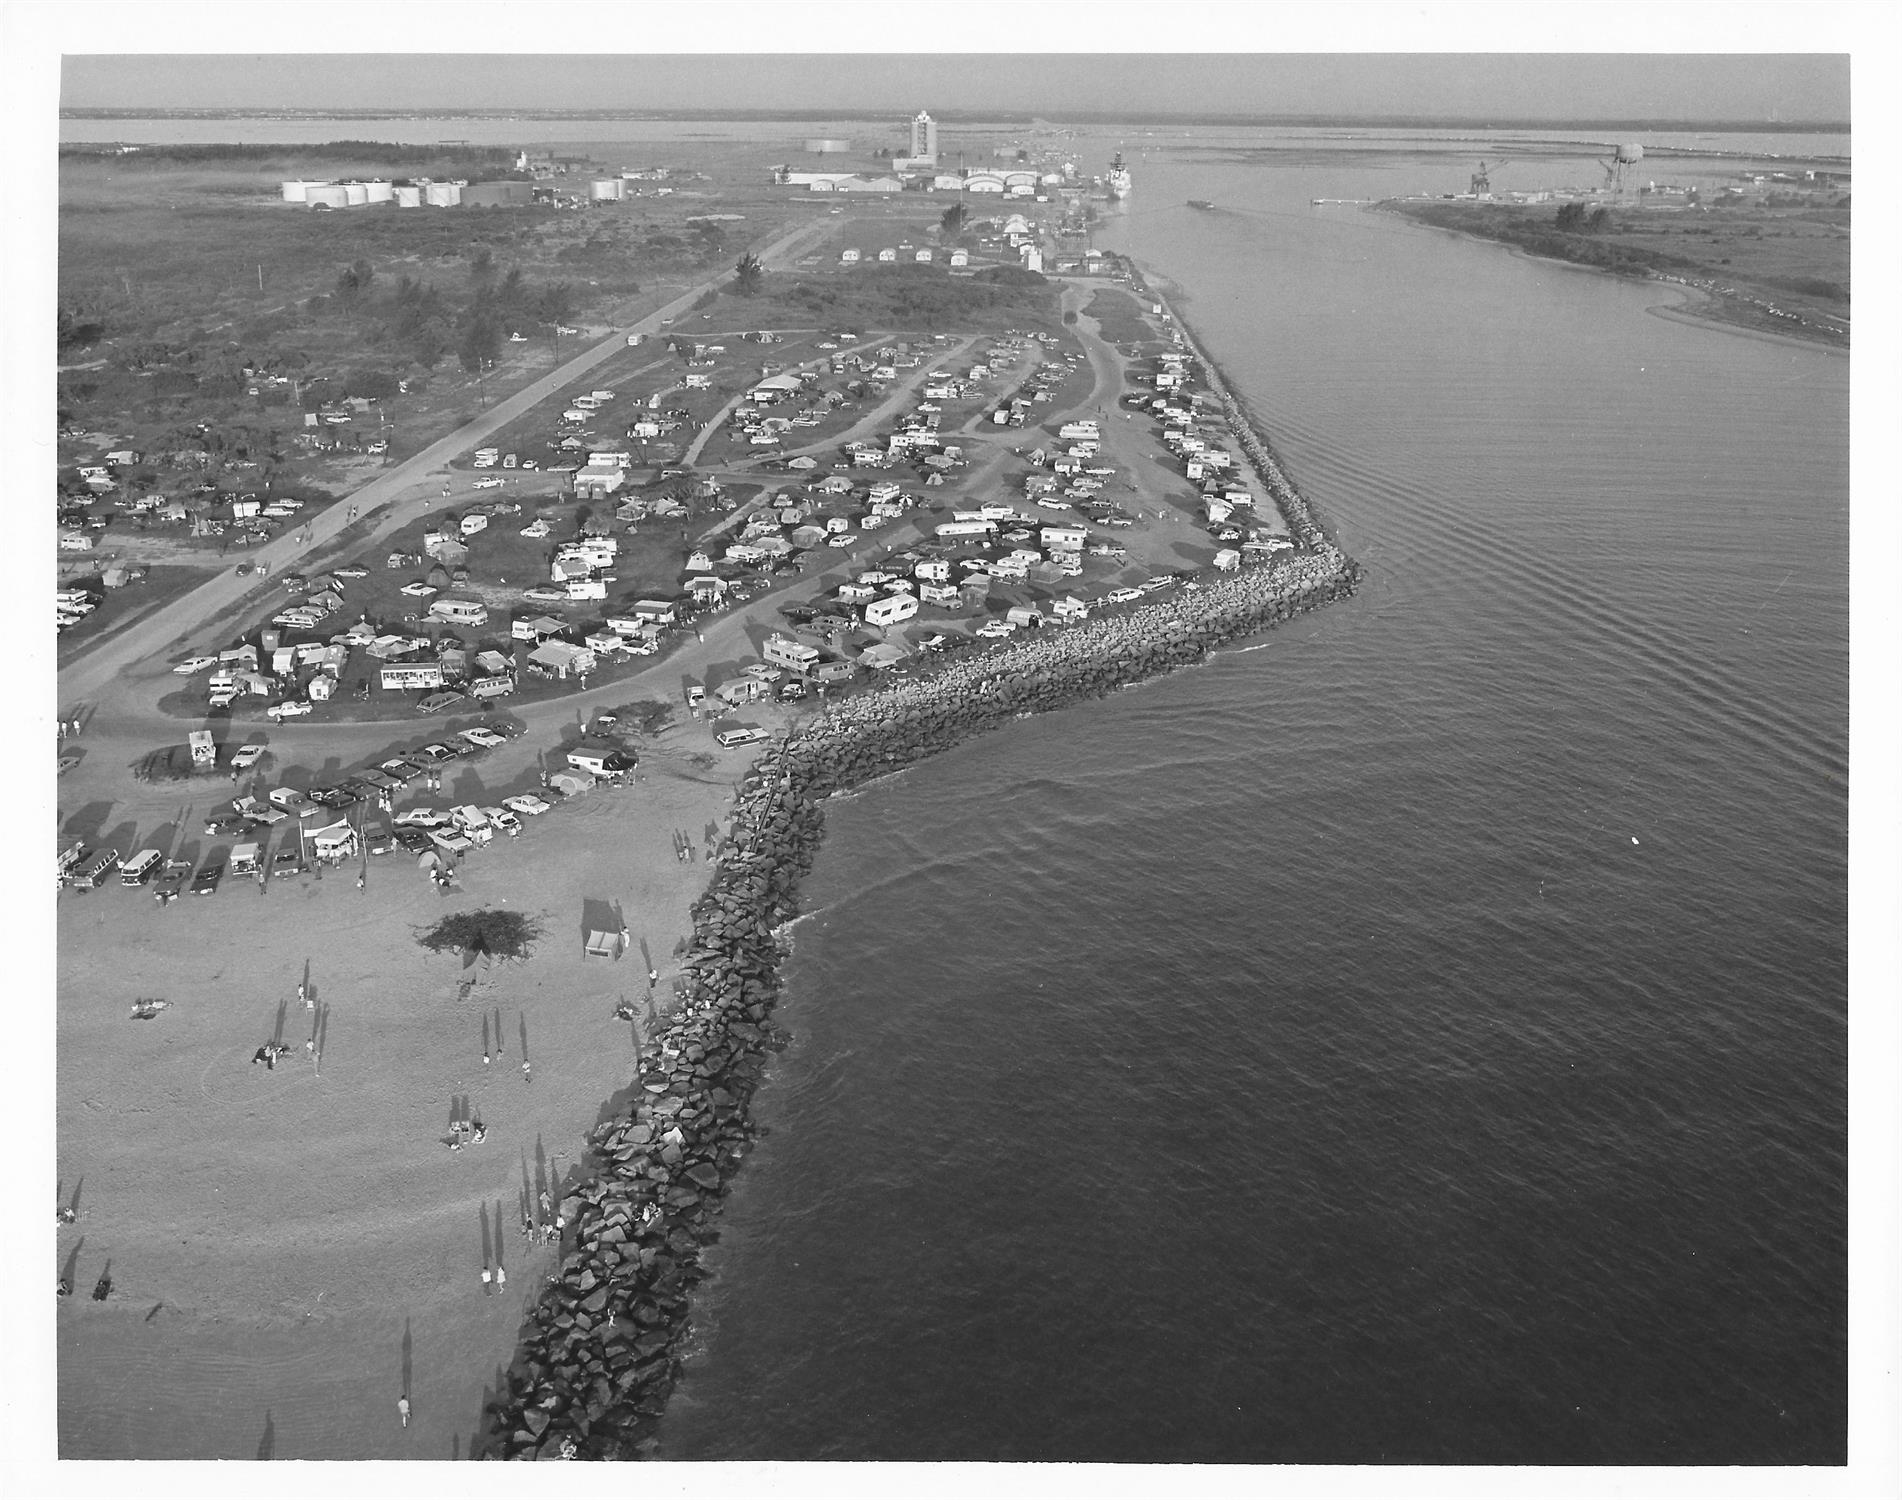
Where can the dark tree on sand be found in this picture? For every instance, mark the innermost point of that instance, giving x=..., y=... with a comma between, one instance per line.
x=953, y=219
x=484, y=934
x=746, y=275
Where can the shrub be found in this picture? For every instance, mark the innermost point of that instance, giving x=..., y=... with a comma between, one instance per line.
x=487, y=933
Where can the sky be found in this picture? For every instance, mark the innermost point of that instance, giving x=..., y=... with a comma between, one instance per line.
x=1792, y=88
x=1748, y=60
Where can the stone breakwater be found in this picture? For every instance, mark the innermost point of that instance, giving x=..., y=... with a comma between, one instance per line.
x=601, y=1348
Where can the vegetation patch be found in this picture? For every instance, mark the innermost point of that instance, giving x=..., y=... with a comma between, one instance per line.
x=485, y=934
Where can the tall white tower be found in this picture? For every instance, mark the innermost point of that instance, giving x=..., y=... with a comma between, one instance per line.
x=924, y=137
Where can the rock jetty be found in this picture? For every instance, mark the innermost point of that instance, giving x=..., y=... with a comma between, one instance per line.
x=602, y=1346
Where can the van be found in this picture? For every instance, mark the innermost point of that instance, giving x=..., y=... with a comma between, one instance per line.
x=139, y=868
x=746, y=734
x=471, y=824
x=94, y=870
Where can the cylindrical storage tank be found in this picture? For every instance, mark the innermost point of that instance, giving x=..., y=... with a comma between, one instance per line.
x=409, y=197
x=1630, y=153
x=297, y=191
x=378, y=192
x=822, y=145
x=445, y=194
x=326, y=195
x=355, y=194
x=605, y=189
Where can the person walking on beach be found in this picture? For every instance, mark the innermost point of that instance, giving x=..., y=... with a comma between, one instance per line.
x=402, y=1409
x=501, y=1278
x=525, y=1070
x=485, y=1278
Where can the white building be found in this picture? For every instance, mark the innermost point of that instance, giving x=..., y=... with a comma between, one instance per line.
x=924, y=139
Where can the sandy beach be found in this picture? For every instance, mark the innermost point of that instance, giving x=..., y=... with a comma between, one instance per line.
x=286, y=1245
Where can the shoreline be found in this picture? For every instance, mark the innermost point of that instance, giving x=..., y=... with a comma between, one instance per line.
x=1704, y=306
x=586, y=1384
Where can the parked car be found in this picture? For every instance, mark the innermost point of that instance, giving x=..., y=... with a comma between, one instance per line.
x=283, y=711
x=379, y=841
x=171, y=880
x=421, y=817
x=404, y=771
x=503, y=819
x=488, y=484
x=288, y=862
x=486, y=739
x=193, y=664
x=414, y=840
x=247, y=756
x=437, y=752
x=544, y=594
x=526, y=802
x=205, y=882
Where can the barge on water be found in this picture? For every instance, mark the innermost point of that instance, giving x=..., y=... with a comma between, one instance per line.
x=1203, y=204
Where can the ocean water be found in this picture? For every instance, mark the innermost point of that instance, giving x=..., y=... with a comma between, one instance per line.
x=1416, y=1036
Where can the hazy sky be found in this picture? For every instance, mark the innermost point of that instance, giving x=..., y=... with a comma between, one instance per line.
x=1523, y=86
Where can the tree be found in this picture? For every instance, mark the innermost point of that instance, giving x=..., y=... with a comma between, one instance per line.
x=555, y=303
x=1599, y=221
x=952, y=220
x=746, y=274
x=1571, y=217
x=484, y=934
x=482, y=267
x=481, y=340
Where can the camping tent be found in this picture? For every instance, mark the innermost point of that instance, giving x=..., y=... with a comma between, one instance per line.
x=605, y=944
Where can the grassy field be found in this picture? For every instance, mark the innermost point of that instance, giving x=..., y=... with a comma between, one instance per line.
x=169, y=345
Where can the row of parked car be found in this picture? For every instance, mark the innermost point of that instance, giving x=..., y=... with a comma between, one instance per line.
x=417, y=830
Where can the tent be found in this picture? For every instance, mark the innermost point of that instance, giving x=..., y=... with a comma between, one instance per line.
x=605, y=944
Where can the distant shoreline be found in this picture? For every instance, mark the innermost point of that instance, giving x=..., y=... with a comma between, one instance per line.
x=1354, y=122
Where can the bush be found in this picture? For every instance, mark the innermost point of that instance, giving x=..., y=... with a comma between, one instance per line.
x=490, y=934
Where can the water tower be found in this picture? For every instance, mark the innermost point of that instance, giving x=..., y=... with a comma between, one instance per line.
x=1628, y=155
